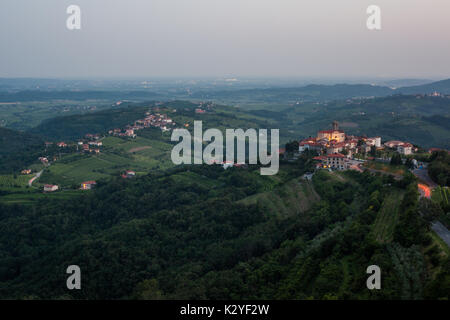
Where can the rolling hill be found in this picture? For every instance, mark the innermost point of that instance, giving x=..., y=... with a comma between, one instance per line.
x=76, y=126
x=18, y=149
x=320, y=93
x=439, y=86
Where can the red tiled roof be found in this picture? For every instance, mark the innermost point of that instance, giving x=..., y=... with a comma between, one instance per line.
x=406, y=144
x=335, y=155
x=89, y=182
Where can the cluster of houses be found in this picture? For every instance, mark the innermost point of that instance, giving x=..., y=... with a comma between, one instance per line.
x=433, y=94
x=156, y=120
x=228, y=164
x=204, y=107
x=336, y=148
x=87, y=185
x=92, y=144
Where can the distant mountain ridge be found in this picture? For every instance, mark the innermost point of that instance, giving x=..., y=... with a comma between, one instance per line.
x=318, y=92
x=442, y=86
x=307, y=93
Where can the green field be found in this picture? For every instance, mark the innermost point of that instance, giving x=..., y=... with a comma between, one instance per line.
x=28, y=198
x=118, y=154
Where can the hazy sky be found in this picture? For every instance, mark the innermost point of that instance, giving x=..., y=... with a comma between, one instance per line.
x=151, y=38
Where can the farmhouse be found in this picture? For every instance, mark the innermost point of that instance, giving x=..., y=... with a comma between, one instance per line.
x=44, y=160
x=376, y=142
x=26, y=171
x=129, y=174
x=50, y=187
x=309, y=144
x=404, y=148
x=88, y=185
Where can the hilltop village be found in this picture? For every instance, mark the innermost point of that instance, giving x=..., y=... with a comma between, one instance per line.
x=337, y=150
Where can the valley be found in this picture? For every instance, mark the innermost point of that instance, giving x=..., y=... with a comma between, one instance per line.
x=114, y=198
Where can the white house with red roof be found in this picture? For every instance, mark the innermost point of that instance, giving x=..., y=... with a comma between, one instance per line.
x=405, y=148
x=50, y=187
x=334, y=161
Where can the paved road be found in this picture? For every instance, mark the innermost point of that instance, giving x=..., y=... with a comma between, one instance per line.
x=423, y=175
x=442, y=231
x=30, y=182
x=425, y=191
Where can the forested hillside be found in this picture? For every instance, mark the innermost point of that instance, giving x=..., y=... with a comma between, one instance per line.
x=18, y=149
x=76, y=126
x=192, y=233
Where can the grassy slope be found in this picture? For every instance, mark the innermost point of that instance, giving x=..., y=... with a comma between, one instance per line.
x=145, y=155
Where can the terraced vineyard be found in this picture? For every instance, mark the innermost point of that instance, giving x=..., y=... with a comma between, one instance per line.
x=441, y=194
x=387, y=217
x=291, y=198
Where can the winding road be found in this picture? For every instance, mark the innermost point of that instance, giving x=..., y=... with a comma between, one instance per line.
x=30, y=182
x=425, y=191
